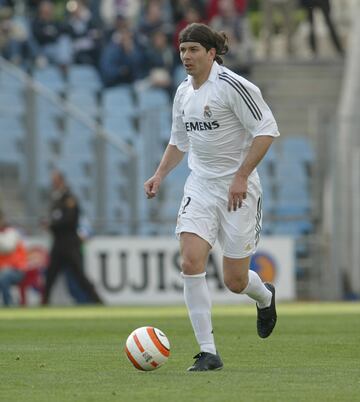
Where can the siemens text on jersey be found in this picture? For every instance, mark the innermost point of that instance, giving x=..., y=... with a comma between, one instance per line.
x=201, y=125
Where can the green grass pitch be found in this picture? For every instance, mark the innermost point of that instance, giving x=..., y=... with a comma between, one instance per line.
x=76, y=354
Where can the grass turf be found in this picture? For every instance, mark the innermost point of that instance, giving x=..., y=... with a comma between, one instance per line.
x=76, y=354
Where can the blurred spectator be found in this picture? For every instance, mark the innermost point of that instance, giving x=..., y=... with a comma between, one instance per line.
x=193, y=13
x=94, y=7
x=269, y=8
x=66, y=251
x=32, y=6
x=50, y=38
x=6, y=7
x=123, y=58
x=12, y=259
x=234, y=24
x=84, y=33
x=213, y=8
x=179, y=8
x=153, y=19
x=13, y=38
x=109, y=9
x=324, y=6
x=160, y=58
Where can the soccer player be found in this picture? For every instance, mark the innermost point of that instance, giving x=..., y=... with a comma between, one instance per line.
x=222, y=121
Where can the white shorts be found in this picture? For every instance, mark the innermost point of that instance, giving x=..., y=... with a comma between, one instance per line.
x=203, y=211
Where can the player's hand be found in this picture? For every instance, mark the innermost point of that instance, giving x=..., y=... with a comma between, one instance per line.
x=152, y=186
x=237, y=193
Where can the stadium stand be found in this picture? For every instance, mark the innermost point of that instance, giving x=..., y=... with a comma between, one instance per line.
x=84, y=77
x=50, y=77
x=141, y=117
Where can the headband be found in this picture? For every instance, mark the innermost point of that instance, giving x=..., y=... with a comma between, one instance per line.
x=191, y=38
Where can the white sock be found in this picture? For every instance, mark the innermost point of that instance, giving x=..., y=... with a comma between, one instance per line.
x=198, y=302
x=257, y=290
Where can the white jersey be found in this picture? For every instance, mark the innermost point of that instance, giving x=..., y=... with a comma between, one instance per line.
x=216, y=123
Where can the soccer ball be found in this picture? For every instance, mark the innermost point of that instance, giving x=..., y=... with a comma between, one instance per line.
x=147, y=348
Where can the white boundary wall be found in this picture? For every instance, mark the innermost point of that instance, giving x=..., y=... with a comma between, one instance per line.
x=145, y=270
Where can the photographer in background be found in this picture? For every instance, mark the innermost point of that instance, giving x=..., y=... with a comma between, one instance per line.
x=66, y=250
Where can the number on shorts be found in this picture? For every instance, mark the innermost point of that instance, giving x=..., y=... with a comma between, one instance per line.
x=186, y=203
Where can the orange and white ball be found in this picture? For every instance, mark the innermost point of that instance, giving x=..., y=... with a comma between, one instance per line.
x=147, y=348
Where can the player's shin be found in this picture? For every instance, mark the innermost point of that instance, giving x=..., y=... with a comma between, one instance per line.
x=257, y=290
x=198, y=302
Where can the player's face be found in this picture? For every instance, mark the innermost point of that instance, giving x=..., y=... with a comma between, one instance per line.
x=195, y=58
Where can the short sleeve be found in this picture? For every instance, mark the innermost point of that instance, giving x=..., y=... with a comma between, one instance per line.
x=179, y=136
x=249, y=106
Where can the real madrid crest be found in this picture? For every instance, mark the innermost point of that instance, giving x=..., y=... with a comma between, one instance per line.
x=207, y=112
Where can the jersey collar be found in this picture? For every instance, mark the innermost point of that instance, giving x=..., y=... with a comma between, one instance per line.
x=213, y=73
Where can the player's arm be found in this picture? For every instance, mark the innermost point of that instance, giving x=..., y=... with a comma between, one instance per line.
x=255, y=115
x=238, y=188
x=171, y=158
x=257, y=151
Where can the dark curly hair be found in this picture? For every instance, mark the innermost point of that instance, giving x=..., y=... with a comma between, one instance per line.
x=207, y=37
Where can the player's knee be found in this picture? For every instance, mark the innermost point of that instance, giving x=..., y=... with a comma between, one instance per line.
x=190, y=266
x=236, y=285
